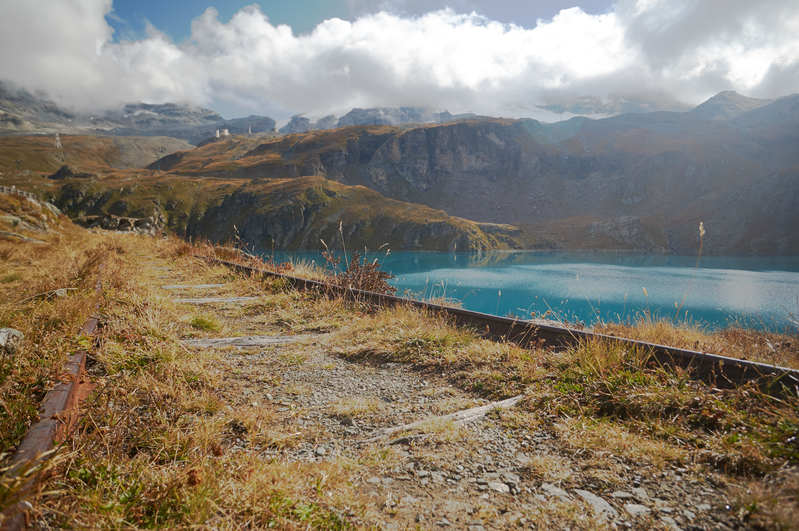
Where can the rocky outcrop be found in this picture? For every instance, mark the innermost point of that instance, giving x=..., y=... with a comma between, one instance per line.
x=297, y=124
x=24, y=218
x=150, y=225
x=326, y=122
x=67, y=172
x=96, y=207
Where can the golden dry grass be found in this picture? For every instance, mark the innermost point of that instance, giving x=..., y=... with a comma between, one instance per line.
x=767, y=347
x=161, y=440
x=68, y=261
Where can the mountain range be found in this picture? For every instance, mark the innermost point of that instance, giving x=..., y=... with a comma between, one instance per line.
x=641, y=181
x=24, y=112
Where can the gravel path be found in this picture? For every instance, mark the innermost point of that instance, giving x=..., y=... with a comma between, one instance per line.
x=496, y=472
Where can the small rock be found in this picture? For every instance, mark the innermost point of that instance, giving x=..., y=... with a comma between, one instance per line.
x=552, y=490
x=689, y=514
x=419, y=518
x=10, y=340
x=443, y=523
x=670, y=523
x=455, y=507
x=320, y=451
x=374, y=480
x=704, y=507
x=641, y=494
x=523, y=459
x=499, y=487
x=600, y=506
x=622, y=495
x=510, y=478
x=636, y=509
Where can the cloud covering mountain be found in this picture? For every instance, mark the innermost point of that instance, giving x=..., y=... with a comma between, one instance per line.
x=688, y=49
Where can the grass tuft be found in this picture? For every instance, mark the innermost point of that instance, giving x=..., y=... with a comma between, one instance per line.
x=208, y=324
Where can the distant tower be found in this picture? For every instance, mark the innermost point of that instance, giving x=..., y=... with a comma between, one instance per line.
x=217, y=133
x=225, y=132
x=58, y=142
x=249, y=130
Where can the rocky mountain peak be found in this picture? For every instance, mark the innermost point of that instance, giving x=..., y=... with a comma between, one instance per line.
x=727, y=104
x=297, y=124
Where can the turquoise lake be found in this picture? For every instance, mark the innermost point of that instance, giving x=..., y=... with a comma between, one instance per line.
x=612, y=287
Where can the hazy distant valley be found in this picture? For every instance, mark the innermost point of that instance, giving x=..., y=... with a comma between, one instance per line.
x=418, y=179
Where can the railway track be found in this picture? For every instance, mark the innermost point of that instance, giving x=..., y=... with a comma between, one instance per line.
x=720, y=371
x=58, y=416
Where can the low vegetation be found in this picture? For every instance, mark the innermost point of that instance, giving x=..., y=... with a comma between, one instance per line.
x=173, y=438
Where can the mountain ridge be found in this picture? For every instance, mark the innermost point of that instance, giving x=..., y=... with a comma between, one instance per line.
x=668, y=170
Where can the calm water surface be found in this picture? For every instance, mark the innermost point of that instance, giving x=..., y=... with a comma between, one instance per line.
x=588, y=287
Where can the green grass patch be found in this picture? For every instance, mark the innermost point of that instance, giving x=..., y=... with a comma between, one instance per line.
x=11, y=277
x=208, y=324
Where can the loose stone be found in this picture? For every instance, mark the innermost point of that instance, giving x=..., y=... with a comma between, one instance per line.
x=499, y=487
x=10, y=340
x=635, y=509
x=600, y=506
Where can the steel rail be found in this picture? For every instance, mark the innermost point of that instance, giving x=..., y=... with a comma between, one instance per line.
x=58, y=415
x=718, y=370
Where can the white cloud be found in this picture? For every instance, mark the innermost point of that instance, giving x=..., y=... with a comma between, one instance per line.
x=444, y=59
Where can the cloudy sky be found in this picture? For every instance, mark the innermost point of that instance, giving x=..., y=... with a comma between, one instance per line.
x=500, y=57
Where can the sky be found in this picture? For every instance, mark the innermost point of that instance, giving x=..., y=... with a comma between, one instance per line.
x=496, y=57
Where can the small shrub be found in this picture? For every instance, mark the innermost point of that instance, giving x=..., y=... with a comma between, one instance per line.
x=360, y=274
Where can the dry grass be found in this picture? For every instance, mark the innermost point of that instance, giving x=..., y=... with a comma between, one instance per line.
x=770, y=504
x=766, y=347
x=354, y=407
x=169, y=440
x=159, y=447
x=69, y=259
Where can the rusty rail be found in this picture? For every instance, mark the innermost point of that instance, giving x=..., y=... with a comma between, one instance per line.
x=722, y=371
x=58, y=415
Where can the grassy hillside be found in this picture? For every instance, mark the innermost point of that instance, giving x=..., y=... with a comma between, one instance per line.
x=38, y=153
x=297, y=213
x=287, y=213
x=202, y=196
